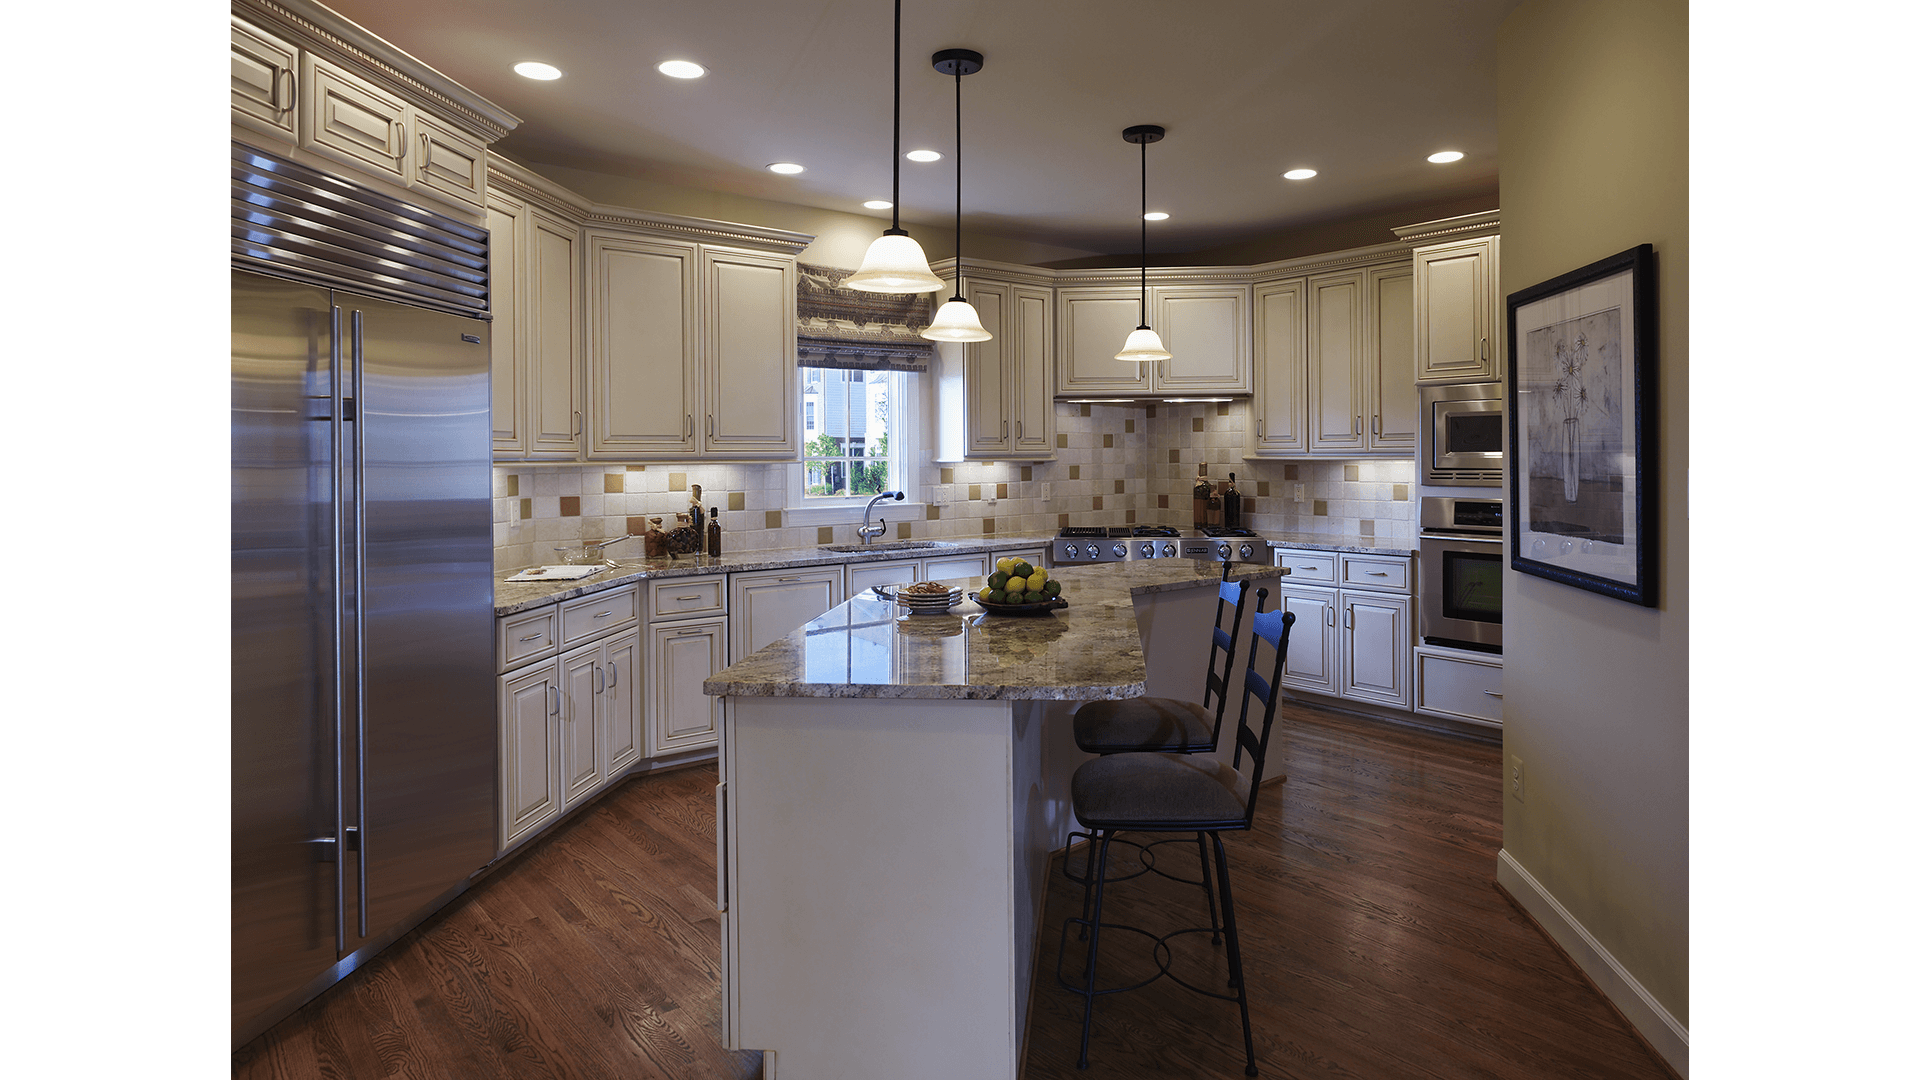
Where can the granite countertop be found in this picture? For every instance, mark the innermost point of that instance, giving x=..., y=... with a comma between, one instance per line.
x=512, y=597
x=1087, y=651
x=1364, y=545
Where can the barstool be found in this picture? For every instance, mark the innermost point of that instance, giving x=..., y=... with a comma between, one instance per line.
x=1161, y=792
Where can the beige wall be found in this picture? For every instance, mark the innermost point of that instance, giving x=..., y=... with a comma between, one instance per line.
x=839, y=239
x=1593, y=161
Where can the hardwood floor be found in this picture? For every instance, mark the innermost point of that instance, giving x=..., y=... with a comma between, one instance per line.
x=1376, y=943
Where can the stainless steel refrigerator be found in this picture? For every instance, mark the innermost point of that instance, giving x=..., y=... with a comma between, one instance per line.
x=364, y=747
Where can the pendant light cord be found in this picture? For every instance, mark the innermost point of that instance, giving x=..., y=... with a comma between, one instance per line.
x=1143, y=234
x=957, y=278
x=896, y=230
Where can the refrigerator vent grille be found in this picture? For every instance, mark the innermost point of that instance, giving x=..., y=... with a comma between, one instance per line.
x=295, y=222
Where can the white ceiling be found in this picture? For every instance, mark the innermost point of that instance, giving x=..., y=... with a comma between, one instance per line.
x=1361, y=90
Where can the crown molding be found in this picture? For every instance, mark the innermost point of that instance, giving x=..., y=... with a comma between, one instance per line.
x=319, y=29
x=1009, y=273
x=517, y=181
x=1464, y=227
x=699, y=230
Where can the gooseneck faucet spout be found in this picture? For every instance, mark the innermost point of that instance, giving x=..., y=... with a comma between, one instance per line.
x=867, y=530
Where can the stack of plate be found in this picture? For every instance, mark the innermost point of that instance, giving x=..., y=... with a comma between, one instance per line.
x=932, y=603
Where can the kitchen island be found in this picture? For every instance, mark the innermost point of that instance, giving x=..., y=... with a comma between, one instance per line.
x=890, y=789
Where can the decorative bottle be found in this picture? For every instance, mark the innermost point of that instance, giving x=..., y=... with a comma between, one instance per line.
x=713, y=532
x=1230, y=504
x=698, y=517
x=1202, y=492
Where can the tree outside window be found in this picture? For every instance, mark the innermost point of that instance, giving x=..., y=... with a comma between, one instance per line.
x=849, y=456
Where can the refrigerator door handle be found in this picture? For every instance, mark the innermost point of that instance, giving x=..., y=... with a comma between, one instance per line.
x=337, y=395
x=360, y=606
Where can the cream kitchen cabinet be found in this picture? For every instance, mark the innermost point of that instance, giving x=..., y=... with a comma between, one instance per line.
x=690, y=350
x=767, y=605
x=265, y=82
x=1353, y=630
x=538, y=359
x=1458, y=684
x=349, y=119
x=686, y=644
x=1005, y=384
x=1334, y=353
x=948, y=568
x=1459, y=316
x=1206, y=327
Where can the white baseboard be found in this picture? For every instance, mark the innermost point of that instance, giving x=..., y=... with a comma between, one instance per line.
x=1666, y=1035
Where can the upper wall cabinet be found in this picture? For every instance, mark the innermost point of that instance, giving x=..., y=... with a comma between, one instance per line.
x=538, y=326
x=690, y=349
x=1459, y=317
x=1004, y=386
x=1334, y=363
x=310, y=84
x=1205, y=326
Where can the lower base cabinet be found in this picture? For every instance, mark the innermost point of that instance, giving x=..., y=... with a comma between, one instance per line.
x=1458, y=684
x=567, y=725
x=681, y=657
x=1354, y=643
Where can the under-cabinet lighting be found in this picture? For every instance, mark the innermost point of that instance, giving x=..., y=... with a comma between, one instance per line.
x=1192, y=400
x=1099, y=400
x=533, y=69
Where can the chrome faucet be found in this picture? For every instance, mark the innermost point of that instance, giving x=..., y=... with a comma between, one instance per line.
x=867, y=531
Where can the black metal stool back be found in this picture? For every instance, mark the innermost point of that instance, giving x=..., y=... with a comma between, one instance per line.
x=1275, y=628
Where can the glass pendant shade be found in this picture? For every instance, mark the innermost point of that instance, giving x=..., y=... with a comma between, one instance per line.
x=895, y=264
x=1143, y=345
x=956, y=321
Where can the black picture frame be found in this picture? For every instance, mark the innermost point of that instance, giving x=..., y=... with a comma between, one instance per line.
x=1581, y=364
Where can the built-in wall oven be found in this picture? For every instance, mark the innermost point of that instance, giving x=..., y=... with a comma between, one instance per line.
x=1460, y=568
x=1463, y=435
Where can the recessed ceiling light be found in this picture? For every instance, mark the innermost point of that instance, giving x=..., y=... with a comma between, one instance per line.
x=533, y=69
x=1157, y=215
x=1300, y=174
x=1445, y=156
x=786, y=168
x=923, y=155
x=680, y=69
x=877, y=204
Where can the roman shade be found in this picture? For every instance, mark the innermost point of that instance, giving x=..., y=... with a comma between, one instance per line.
x=848, y=329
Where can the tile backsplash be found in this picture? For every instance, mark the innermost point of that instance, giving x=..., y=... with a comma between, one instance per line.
x=1116, y=465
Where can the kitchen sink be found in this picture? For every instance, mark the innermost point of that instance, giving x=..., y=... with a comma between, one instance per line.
x=893, y=545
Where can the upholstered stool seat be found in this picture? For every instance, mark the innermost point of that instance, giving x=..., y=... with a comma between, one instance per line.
x=1162, y=792
x=1131, y=725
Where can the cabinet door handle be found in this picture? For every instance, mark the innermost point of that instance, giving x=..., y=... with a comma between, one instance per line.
x=709, y=425
x=1019, y=429
x=556, y=700
x=607, y=614
x=684, y=633
x=720, y=845
x=1003, y=429
x=1376, y=573
x=1329, y=614
x=293, y=89
x=1493, y=693
x=1483, y=348
x=424, y=148
x=1259, y=429
x=576, y=423
x=398, y=133
x=533, y=637
x=1349, y=620
x=1376, y=427
x=695, y=596
x=599, y=680
x=615, y=679
x=1356, y=425
x=689, y=433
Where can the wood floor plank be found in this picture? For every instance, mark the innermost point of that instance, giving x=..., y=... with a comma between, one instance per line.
x=1376, y=943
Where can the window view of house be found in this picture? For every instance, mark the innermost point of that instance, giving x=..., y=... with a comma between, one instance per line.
x=846, y=424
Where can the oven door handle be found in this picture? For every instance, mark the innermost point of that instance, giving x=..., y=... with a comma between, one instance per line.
x=1451, y=538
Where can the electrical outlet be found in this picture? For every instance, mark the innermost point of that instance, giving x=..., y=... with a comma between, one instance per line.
x=1517, y=778
x=1046, y=490
x=1299, y=492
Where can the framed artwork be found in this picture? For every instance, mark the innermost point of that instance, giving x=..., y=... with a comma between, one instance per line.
x=1580, y=397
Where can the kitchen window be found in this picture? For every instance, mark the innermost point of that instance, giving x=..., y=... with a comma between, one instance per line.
x=854, y=448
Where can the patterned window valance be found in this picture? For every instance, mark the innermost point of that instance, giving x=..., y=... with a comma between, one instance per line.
x=846, y=328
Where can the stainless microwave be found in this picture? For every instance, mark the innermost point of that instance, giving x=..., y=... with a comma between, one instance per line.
x=1463, y=435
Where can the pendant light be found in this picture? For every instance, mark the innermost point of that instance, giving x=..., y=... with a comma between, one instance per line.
x=956, y=320
x=1143, y=344
x=894, y=262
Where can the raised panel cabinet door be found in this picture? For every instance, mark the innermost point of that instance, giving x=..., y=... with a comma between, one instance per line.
x=684, y=655
x=1313, y=659
x=1206, y=329
x=447, y=163
x=751, y=357
x=767, y=607
x=1030, y=342
x=621, y=701
x=350, y=120
x=1377, y=633
x=1280, y=368
x=529, y=752
x=1394, y=400
x=987, y=375
x=582, y=757
x=266, y=82
x=1452, y=287
x=642, y=380
x=507, y=258
x=556, y=413
x=862, y=576
x=1094, y=324
x=1336, y=373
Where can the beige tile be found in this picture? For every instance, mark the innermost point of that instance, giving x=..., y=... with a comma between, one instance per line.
x=513, y=484
x=823, y=534
x=1026, y=472
x=1129, y=427
x=999, y=491
x=946, y=476
x=906, y=530
x=614, y=482
x=677, y=481
x=973, y=492
x=736, y=500
x=773, y=519
x=1399, y=493
x=1319, y=508
x=1352, y=474
x=986, y=525
x=526, y=509
x=1106, y=440
x=1073, y=472
x=1086, y=408
x=1099, y=502
x=1199, y=424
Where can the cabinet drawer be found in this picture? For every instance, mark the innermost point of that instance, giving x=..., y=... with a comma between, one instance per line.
x=956, y=566
x=1458, y=687
x=678, y=598
x=1307, y=565
x=1375, y=572
x=526, y=636
x=866, y=575
x=590, y=615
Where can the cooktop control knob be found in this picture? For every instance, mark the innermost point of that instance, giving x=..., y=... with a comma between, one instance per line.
x=1146, y=551
x=1225, y=551
x=1168, y=550
x=1119, y=551
x=1073, y=551
x=1246, y=552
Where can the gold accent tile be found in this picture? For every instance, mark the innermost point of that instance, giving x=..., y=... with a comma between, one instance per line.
x=933, y=513
x=1063, y=521
x=1026, y=472
x=773, y=519
x=676, y=481
x=1351, y=473
x=823, y=535
x=526, y=509
x=999, y=491
x=1129, y=427
x=1399, y=493
x=1129, y=520
x=614, y=482
x=636, y=468
x=1260, y=487
x=1060, y=442
x=1319, y=508
x=1246, y=505
x=1119, y=487
x=1222, y=409
x=1366, y=528
x=1106, y=440
x=1290, y=472
x=1073, y=472
x=513, y=485
x=1163, y=502
x=637, y=526
x=906, y=530
x=1174, y=456
x=569, y=506
x=946, y=476
x=986, y=525
x=1199, y=424
x=736, y=500
x=973, y=491
x=1086, y=408
x=1099, y=503
x=1152, y=411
